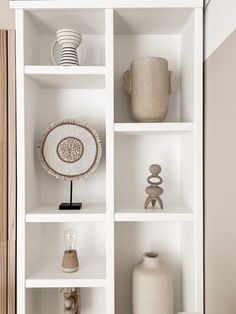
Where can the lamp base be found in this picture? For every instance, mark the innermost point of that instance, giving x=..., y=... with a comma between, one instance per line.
x=70, y=206
x=70, y=262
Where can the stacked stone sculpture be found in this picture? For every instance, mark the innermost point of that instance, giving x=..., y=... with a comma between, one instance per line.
x=154, y=190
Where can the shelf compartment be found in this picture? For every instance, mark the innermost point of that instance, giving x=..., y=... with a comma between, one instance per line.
x=152, y=128
x=45, y=246
x=175, y=214
x=44, y=106
x=67, y=77
x=173, y=241
x=47, y=274
x=134, y=155
x=40, y=29
x=51, y=300
x=159, y=36
x=50, y=213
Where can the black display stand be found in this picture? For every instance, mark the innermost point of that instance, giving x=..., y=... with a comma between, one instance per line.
x=70, y=206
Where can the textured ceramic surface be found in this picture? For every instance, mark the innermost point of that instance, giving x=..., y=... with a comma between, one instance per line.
x=154, y=190
x=152, y=291
x=72, y=300
x=70, y=150
x=149, y=84
x=70, y=262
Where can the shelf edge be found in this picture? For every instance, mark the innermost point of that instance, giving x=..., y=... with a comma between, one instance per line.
x=58, y=283
x=59, y=70
x=106, y=4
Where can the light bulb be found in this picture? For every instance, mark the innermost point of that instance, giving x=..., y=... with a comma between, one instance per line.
x=71, y=239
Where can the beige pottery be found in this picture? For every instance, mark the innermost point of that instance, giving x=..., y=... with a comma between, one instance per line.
x=149, y=84
x=152, y=287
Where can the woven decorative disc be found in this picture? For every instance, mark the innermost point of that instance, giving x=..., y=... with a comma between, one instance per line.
x=70, y=150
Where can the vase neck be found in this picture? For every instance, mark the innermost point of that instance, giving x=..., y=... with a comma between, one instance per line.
x=151, y=260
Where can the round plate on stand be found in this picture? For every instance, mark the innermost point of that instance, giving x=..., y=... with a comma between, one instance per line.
x=70, y=149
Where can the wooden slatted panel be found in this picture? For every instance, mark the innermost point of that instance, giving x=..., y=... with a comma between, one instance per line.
x=11, y=289
x=3, y=277
x=11, y=280
x=3, y=171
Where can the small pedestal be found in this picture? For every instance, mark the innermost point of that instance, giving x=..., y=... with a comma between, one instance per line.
x=71, y=205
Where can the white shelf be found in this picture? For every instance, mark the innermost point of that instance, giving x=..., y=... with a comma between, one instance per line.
x=67, y=77
x=105, y=4
x=153, y=128
x=51, y=213
x=91, y=273
x=64, y=70
x=175, y=214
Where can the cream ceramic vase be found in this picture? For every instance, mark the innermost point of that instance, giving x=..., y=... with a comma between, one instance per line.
x=149, y=84
x=69, y=40
x=152, y=287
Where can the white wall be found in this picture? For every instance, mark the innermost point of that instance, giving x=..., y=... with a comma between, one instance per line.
x=220, y=22
x=220, y=155
x=6, y=15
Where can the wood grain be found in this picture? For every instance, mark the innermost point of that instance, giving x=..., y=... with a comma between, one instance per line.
x=3, y=277
x=11, y=138
x=3, y=172
x=11, y=277
x=11, y=254
x=3, y=135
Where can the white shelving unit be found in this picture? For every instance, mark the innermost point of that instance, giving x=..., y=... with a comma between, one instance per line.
x=114, y=229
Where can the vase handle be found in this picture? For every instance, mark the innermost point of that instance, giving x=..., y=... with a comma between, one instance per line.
x=127, y=79
x=53, y=46
x=172, y=81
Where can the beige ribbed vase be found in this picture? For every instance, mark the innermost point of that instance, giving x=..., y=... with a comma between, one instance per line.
x=152, y=287
x=149, y=84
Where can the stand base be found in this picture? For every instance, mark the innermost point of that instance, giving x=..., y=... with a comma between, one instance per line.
x=69, y=206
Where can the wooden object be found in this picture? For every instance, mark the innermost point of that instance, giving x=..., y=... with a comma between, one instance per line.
x=3, y=172
x=7, y=173
x=70, y=261
x=11, y=264
x=3, y=277
x=149, y=84
x=72, y=300
x=3, y=136
x=154, y=190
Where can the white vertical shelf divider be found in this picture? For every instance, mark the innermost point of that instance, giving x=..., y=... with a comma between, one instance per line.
x=110, y=256
x=20, y=162
x=198, y=153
